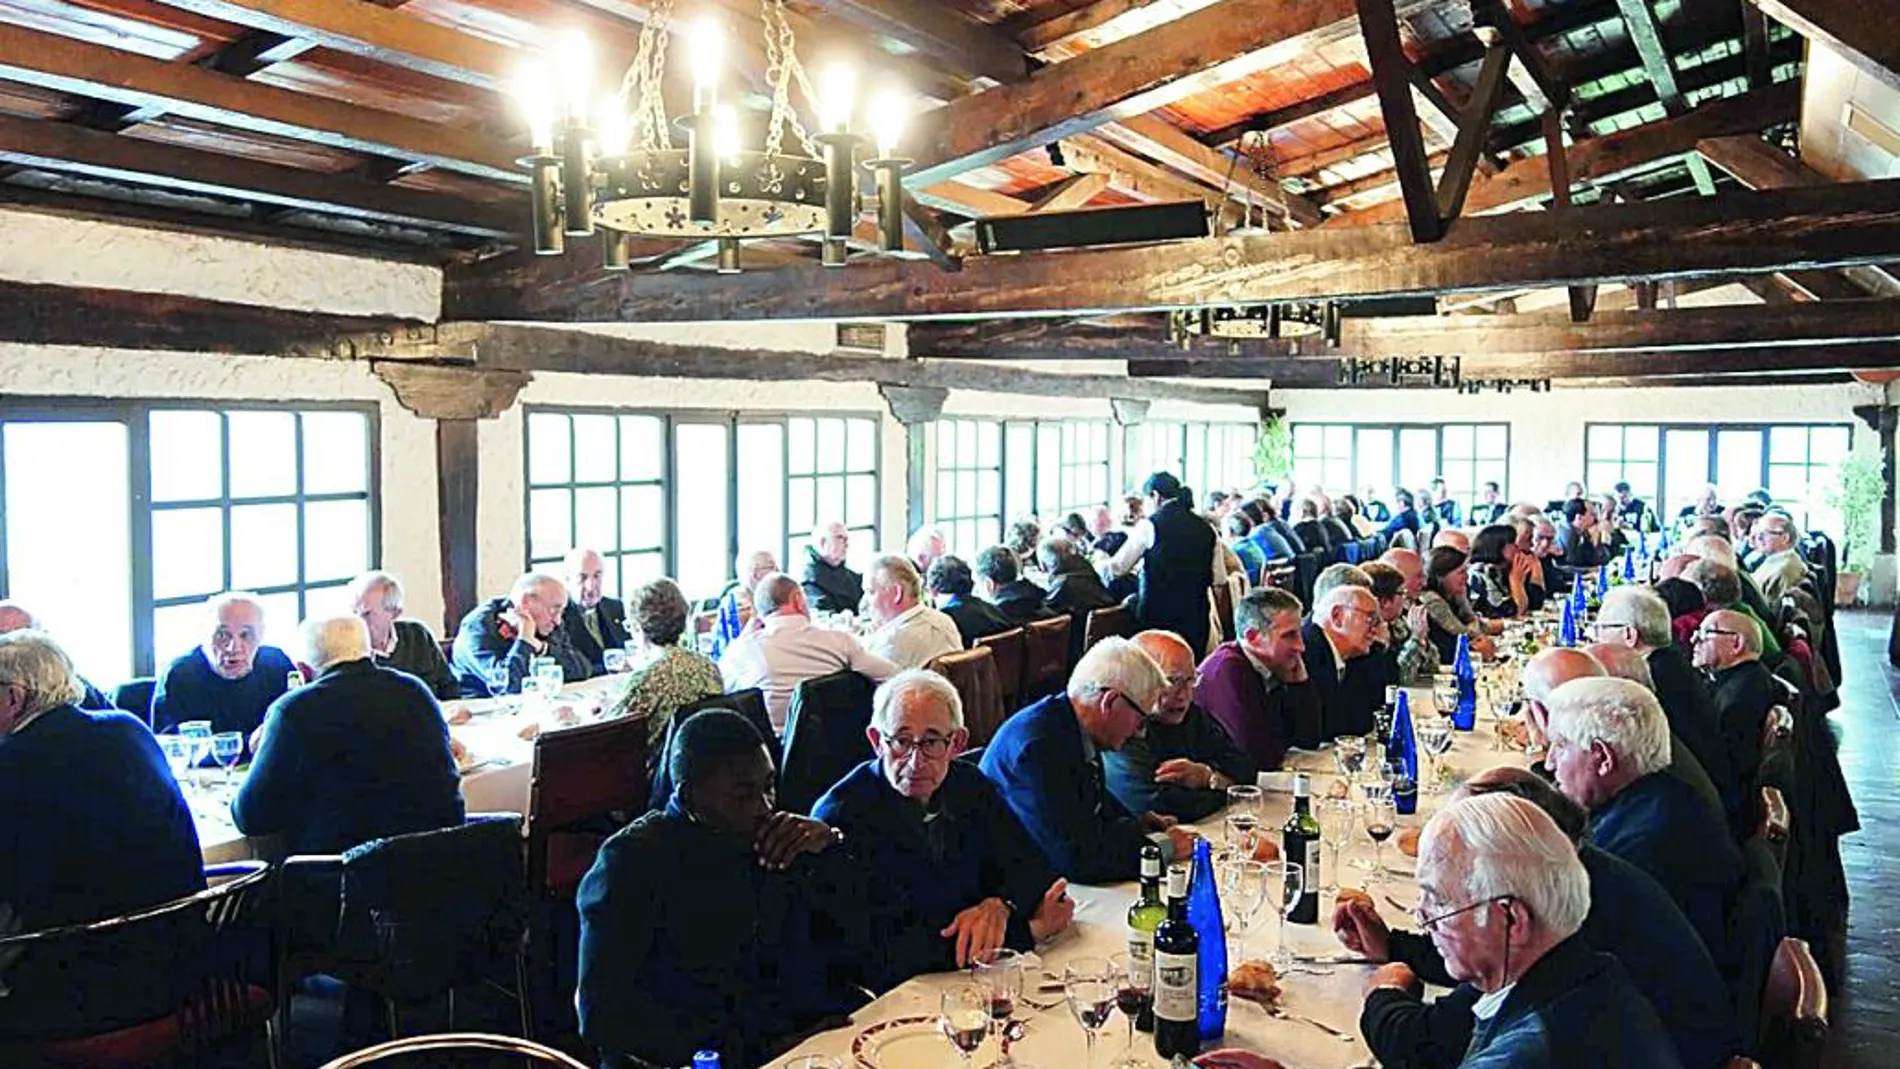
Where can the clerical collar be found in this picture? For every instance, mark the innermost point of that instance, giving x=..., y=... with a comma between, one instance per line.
x=1491, y=1002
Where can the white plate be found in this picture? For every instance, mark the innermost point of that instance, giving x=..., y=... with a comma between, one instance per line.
x=902, y=1043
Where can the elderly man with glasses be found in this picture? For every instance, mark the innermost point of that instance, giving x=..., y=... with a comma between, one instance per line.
x=957, y=876
x=1728, y=646
x=1350, y=678
x=1781, y=568
x=1184, y=762
x=1047, y=761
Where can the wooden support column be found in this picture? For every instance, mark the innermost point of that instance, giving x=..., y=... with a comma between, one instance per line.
x=916, y=407
x=1883, y=420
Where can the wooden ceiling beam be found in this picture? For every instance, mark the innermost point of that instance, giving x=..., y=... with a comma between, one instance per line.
x=1292, y=372
x=1378, y=22
x=1639, y=19
x=1737, y=232
x=1866, y=32
x=1167, y=144
x=1142, y=179
x=71, y=66
x=1467, y=151
x=1195, y=52
x=939, y=31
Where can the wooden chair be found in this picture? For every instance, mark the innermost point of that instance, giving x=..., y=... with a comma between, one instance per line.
x=1775, y=822
x=749, y=703
x=1777, y=729
x=1010, y=649
x=1794, y=1008
x=973, y=673
x=453, y=1044
x=1045, y=658
x=1224, y=608
x=1281, y=576
x=1102, y=623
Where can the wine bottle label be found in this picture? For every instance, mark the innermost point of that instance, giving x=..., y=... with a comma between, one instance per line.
x=1312, y=868
x=1141, y=947
x=1177, y=986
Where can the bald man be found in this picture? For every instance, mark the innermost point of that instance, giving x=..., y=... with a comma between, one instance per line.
x=593, y=621
x=1728, y=646
x=1542, y=675
x=15, y=617
x=1183, y=763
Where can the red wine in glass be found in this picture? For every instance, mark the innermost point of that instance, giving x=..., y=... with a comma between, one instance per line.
x=964, y=1038
x=1133, y=1001
x=1379, y=832
x=1095, y=1014
x=1001, y=1007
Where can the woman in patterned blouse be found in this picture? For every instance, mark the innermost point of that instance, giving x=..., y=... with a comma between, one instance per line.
x=669, y=675
x=1500, y=575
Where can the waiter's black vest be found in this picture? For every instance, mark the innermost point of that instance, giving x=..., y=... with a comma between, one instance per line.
x=1176, y=573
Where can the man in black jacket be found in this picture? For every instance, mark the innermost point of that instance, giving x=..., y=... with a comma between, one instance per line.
x=1018, y=599
x=1728, y=646
x=951, y=583
x=1180, y=557
x=1574, y=539
x=594, y=622
x=1350, y=677
x=1183, y=762
x=829, y=585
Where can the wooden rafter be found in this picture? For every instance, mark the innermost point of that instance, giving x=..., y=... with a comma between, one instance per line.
x=939, y=31
x=1217, y=170
x=1466, y=152
x=1645, y=368
x=1646, y=34
x=1391, y=75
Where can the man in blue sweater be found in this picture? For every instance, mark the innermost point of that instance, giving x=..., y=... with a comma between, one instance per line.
x=360, y=753
x=95, y=827
x=956, y=875
x=1047, y=761
x=231, y=679
x=498, y=640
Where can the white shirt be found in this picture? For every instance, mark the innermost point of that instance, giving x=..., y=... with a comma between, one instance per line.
x=914, y=637
x=787, y=651
x=1491, y=1002
x=1141, y=538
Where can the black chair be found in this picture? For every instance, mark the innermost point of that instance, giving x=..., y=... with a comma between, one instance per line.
x=749, y=703
x=824, y=737
x=174, y=984
x=1757, y=923
x=453, y=1044
x=135, y=696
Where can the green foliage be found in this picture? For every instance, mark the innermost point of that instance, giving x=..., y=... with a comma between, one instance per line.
x=1273, y=452
x=1858, y=494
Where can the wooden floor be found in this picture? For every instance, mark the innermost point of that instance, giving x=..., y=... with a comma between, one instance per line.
x=1867, y=1015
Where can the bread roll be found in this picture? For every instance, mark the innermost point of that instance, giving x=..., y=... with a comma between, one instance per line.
x=1265, y=849
x=1353, y=894
x=1408, y=842
x=1254, y=980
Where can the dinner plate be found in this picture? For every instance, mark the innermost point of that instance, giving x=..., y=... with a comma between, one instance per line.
x=902, y=1043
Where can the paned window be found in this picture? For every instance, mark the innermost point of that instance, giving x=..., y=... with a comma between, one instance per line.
x=969, y=504
x=1794, y=462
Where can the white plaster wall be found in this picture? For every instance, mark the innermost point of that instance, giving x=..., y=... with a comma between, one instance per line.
x=1547, y=428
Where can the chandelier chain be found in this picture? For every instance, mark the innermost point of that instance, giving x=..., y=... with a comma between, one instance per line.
x=781, y=67
x=644, y=78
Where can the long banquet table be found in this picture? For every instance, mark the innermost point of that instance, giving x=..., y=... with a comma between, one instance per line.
x=1053, y=1039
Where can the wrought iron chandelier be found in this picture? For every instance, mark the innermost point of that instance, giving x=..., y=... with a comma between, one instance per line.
x=610, y=163
x=1285, y=320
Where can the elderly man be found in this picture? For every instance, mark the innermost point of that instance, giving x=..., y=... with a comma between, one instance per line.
x=594, y=622
x=829, y=584
x=1636, y=618
x=1781, y=568
x=1724, y=586
x=1256, y=687
x=1047, y=761
x=925, y=546
x=1074, y=586
x=1630, y=918
x=1541, y=676
x=909, y=633
x=231, y=679
x=1180, y=558
x=1490, y=507
x=1349, y=677
x=1625, y=663
x=1410, y=658
x=95, y=827
x=718, y=922
x=498, y=641
x=1717, y=549
x=404, y=645
x=1609, y=752
x=999, y=580
x=735, y=602
x=956, y=874
x=359, y=754
x=1728, y=646
x=953, y=586
x=1183, y=763
x=786, y=649
x=15, y=617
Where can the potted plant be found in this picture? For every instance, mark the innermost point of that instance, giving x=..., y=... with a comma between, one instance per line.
x=1273, y=452
x=1858, y=494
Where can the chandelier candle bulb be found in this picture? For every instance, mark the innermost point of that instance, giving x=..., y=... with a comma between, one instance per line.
x=545, y=174
x=702, y=169
x=728, y=256
x=577, y=178
x=890, y=202
x=616, y=249
x=708, y=55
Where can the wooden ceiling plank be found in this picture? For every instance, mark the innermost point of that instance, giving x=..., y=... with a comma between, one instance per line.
x=939, y=31
x=1391, y=74
x=1288, y=372
x=1153, y=137
x=1047, y=33
x=1139, y=178
x=1071, y=193
x=1130, y=77
x=1495, y=25
x=961, y=198
x=84, y=69
x=1737, y=232
x=1866, y=32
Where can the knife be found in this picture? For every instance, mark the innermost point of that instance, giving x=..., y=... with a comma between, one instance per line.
x=1333, y=959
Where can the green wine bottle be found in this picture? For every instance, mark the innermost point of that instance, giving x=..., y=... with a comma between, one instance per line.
x=1144, y=916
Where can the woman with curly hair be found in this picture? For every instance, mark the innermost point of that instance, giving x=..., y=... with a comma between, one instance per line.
x=1448, y=613
x=669, y=675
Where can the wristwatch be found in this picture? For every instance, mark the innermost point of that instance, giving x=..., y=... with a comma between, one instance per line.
x=1216, y=781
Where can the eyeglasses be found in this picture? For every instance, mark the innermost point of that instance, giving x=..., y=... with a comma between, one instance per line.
x=1176, y=682
x=1703, y=634
x=1599, y=629
x=1431, y=923
x=1139, y=711
x=932, y=746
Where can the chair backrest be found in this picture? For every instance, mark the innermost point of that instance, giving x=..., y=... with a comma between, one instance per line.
x=1794, y=1011
x=1775, y=822
x=824, y=737
x=588, y=771
x=973, y=673
x=1224, y=609
x=1777, y=729
x=1045, y=658
x=1757, y=922
x=1281, y=576
x=1010, y=649
x=455, y=1043
x=749, y=703
x=135, y=696
x=1739, y=1062
x=1114, y=620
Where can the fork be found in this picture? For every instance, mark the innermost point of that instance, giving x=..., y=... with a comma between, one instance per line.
x=1276, y=1010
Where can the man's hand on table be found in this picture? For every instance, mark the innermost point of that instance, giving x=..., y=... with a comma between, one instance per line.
x=1362, y=930
x=782, y=837
x=978, y=930
x=1054, y=913
x=1234, y=1058
x=1397, y=976
x=1185, y=773
x=1182, y=841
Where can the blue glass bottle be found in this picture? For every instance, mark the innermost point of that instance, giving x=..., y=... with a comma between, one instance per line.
x=1465, y=717
x=1642, y=542
x=1567, y=628
x=1603, y=578
x=1403, y=755
x=1204, y=915
x=1629, y=567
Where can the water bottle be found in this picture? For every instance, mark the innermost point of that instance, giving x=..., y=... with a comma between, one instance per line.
x=1567, y=629
x=1629, y=568
x=706, y=1059
x=1204, y=915
x=1465, y=717
x=1404, y=753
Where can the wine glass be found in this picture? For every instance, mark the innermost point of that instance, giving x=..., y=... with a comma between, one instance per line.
x=1245, y=803
x=1000, y=973
x=497, y=677
x=1349, y=751
x=964, y=1016
x=1133, y=997
x=1092, y=990
x=1382, y=819
x=1243, y=890
x=227, y=747
x=1282, y=883
x=177, y=751
x=1445, y=700
x=1335, y=824
x=197, y=735
x=548, y=671
x=1434, y=738
x=614, y=659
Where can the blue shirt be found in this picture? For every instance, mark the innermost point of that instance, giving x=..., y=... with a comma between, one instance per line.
x=191, y=689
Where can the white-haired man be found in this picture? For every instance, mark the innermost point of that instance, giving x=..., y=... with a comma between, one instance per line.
x=1781, y=568
x=95, y=827
x=404, y=645
x=594, y=622
x=16, y=617
x=359, y=754
x=231, y=678
x=735, y=602
x=1349, y=677
x=498, y=641
x=1609, y=752
x=830, y=585
x=785, y=649
x=1047, y=761
x=925, y=546
x=956, y=874
x=909, y=633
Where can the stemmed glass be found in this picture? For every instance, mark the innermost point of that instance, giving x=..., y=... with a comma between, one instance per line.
x=964, y=1016
x=1349, y=751
x=1335, y=824
x=1381, y=820
x=1244, y=806
x=227, y=747
x=1134, y=997
x=1283, y=883
x=1434, y=737
x=1092, y=990
x=1000, y=974
x=197, y=735
x=496, y=676
x=177, y=751
x=1243, y=890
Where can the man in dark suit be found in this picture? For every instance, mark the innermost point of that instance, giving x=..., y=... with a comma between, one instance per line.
x=1490, y=507
x=830, y=585
x=1047, y=762
x=360, y=753
x=404, y=645
x=951, y=583
x=1728, y=646
x=997, y=579
x=1609, y=752
x=1183, y=763
x=1349, y=677
x=95, y=827
x=1446, y=508
x=1074, y=586
x=594, y=622
x=504, y=635
x=1180, y=557
x=1576, y=541
x=1256, y=687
